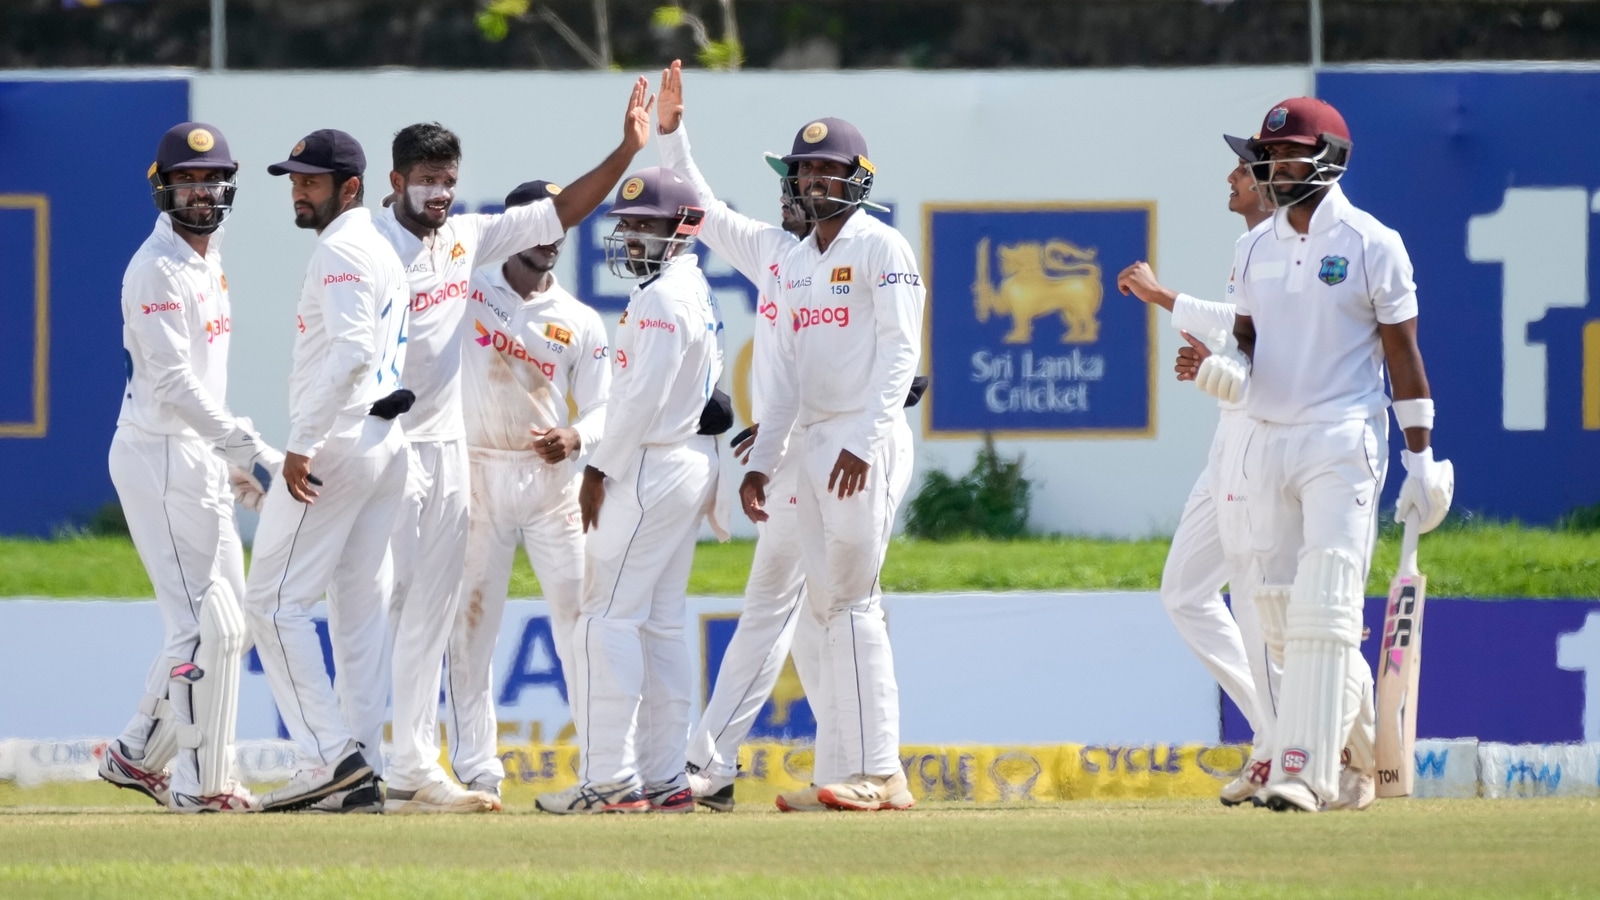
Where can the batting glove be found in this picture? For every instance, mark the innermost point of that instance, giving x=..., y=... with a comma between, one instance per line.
x=247, y=492
x=244, y=450
x=1429, y=487
x=1224, y=373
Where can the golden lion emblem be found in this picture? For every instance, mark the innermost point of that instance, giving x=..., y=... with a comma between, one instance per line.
x=1036, y=280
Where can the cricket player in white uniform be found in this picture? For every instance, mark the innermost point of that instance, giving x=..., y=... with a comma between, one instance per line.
x=772, y=619
x=530, y=346
x=170, y=461
x=852, y=300
x=1211, y=545
x=644, y=494
x=1324, y=300
x=439, y=252
x=325, y=525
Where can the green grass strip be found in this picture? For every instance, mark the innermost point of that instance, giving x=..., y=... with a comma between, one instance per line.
x=1488, y=560
x=1156, y=849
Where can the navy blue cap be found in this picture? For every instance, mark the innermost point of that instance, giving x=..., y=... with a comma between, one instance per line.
x=322, y=151
x=194, y=145
x=531, y=192
x=830, y=139
x=654, y=192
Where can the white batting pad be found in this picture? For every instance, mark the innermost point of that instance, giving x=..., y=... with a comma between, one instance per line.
x=162, y=745
x=1322, y=670
x=1272, y=606
x=216, y=692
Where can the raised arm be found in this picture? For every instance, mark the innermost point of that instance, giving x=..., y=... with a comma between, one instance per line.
x=748, y=244
x=583, y=196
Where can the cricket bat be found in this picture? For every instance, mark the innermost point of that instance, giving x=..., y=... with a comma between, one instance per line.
x=1399, y=667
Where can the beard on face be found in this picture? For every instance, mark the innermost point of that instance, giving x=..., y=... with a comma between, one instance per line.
x=195, y=206
x=639, y=264
x=823, y=207
x=197, y=216
x=428, y=217
x=319, y=215
x=415, y=199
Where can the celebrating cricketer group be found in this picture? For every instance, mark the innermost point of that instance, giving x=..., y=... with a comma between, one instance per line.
x=449, y=399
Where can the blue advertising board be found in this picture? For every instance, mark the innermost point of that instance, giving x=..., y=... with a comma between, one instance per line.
x=74, y=206
x=1511, y=671
x=1020, y=342
x=1493, y=181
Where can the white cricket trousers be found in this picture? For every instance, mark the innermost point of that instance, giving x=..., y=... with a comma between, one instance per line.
x=631, y=681
x=336, y=545
x=178, y=502
x=772, y=621
x=1210, y=548
x=1315, y=490
x=429, y=548
x=843, y=543
x=516, y=497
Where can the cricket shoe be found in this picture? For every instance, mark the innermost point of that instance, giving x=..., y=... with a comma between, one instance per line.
x=486, y=785
x=117, y=768
x=1244, y=788
x=803, y=800
x=674, y=796
x=1290, y=796
x=310, y=785
x=590, y=798
x=864, y=793
x=364, y=799
x=714, y=792
x=1357, y=789
x=235, y=799
x=439, y=797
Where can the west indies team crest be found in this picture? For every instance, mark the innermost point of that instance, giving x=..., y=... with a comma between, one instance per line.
x=1023, y=339
x=1334, y=269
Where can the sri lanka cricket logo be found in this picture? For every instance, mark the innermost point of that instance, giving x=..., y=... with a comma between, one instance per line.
x=1037, y=279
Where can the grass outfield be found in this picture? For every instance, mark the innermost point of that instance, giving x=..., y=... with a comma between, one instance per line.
x=1411, y=848
x=1484, y=560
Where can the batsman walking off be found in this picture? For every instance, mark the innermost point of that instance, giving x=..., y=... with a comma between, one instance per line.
x=1325, y=299
x=1211, y=545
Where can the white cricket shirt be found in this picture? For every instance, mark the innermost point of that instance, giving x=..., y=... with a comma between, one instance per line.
x=439, y=270
x=175, y=331
x=665, y=362
x=849, y=329
x=523, y=357
x=1316, y=300
x=350, y=348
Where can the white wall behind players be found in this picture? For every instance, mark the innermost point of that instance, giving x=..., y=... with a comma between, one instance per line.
x=1020, y=668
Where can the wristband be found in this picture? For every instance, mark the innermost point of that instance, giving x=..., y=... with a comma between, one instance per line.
x=1414, y=413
